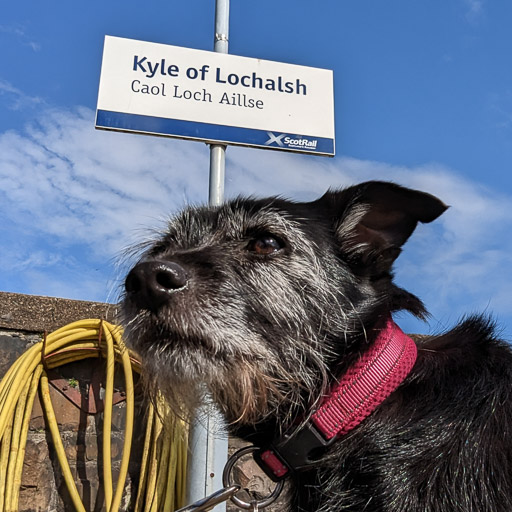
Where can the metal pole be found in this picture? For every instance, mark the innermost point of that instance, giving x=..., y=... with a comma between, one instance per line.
x=217, y=172
x=218, y=152
x=208, y=447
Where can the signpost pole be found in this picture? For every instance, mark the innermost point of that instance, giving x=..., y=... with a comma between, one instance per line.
x=218, y=152
x=208, y=451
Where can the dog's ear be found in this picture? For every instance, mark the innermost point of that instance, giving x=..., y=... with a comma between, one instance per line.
x=374, y=219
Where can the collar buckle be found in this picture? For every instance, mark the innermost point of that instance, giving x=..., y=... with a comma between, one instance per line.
x=292, y=452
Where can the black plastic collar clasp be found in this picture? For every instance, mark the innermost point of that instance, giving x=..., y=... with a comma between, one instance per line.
x=296, y=451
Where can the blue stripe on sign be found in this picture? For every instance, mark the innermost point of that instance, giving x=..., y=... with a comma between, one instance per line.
x=213, y=132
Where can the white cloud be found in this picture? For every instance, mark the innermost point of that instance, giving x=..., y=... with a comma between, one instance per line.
x=83, y=184
x=500, y=108
x=20, y=33
x=15, y=98
x=474, y=9
x=71, y=198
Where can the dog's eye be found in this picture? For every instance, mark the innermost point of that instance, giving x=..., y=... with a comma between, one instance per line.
x=265, y=245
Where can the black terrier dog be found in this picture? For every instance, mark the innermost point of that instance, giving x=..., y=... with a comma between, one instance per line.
x=283, y=310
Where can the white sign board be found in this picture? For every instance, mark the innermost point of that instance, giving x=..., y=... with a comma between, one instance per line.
x=179, y=92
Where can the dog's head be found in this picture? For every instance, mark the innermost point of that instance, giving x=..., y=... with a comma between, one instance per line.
x=264, y=299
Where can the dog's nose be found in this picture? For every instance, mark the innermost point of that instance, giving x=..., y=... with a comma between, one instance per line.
x=151, y=283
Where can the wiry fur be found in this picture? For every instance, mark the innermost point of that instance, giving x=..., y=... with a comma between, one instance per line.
x=267, y=334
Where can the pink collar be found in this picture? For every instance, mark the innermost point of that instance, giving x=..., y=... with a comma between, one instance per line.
x=365, y=385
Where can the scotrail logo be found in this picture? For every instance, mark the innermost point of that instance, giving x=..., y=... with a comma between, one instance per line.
x=283, y=140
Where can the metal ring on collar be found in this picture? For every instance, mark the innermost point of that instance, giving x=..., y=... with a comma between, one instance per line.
x=227, y=482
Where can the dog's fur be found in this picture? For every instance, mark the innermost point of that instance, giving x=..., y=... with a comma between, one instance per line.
x=267, y=301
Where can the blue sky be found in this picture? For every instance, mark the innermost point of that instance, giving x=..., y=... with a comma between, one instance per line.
x=423, y=97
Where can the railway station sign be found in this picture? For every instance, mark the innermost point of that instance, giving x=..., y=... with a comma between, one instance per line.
x=165, y=90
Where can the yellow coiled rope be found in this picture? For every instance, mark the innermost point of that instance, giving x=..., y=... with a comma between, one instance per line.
x=164, y=459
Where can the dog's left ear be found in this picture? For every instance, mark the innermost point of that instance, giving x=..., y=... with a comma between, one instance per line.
x=374, y=219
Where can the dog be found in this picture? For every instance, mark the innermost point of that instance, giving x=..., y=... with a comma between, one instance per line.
x=281, y=310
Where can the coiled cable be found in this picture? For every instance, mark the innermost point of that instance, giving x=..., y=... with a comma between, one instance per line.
x=164, y=459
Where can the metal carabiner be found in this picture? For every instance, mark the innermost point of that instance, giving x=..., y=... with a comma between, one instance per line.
x=227, y=482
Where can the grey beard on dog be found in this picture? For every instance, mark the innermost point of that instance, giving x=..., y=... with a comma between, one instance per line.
x=265, y=303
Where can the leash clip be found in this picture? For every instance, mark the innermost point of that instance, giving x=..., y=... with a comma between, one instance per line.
x=227, y=482
x=206, y=504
